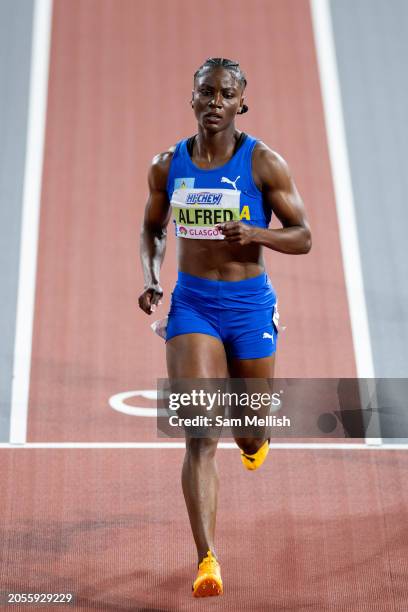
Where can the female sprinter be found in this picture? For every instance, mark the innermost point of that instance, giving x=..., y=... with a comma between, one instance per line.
x=220, y=322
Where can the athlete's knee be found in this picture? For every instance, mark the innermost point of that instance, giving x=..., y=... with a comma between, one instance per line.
x=249, y=445
x=201, y=448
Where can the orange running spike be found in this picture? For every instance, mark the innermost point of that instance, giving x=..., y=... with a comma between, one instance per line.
x=208, y=582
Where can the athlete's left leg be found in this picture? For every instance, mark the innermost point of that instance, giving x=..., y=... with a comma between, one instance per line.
x=263, y=367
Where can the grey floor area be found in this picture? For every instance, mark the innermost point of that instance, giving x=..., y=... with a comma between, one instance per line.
x=372, y=48
x=15, y=51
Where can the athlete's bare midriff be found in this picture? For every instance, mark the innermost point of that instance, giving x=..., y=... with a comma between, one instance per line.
x=217, y=260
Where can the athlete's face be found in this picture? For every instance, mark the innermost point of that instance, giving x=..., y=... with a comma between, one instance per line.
x=217, y=97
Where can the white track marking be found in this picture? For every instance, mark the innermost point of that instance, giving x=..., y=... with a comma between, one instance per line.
x=37, y=108
x=329, y=81
x=178, y=445
x=118, y=403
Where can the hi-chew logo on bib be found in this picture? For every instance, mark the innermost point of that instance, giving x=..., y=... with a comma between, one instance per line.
x=197, y=212
x=204, y=197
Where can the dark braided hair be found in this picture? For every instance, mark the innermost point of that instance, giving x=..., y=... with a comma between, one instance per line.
x=231, y=66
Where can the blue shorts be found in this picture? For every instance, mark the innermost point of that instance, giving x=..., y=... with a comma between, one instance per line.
x=238, y=313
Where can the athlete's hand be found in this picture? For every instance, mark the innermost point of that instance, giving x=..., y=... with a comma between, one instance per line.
x=151, y=298
x=236, y=231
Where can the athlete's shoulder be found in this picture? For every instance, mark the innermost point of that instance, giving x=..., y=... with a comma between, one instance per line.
x=160, y=167
x=262, y=152
x=162, y=160
x=268, y=165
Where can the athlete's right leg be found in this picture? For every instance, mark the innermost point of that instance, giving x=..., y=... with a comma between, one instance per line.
x=199, y=356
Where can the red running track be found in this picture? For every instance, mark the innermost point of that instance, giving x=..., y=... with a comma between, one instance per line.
x=120, y=82
x=312, y=530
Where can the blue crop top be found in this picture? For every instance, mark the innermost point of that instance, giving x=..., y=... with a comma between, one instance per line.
x=202, y=198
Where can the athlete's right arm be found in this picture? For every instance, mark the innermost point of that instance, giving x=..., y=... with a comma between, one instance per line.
x=154, y=234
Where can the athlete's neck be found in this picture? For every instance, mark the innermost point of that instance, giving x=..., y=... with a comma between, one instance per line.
x=215, y=145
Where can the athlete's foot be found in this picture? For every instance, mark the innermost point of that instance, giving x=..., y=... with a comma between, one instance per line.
x=253, y=462
x=208, y=581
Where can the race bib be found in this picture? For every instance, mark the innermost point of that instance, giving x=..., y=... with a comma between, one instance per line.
x=197, y=211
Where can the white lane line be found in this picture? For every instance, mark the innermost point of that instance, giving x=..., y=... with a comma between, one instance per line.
x=329, y=82
x=333, y=112
x=175, y=445
x=30, y=218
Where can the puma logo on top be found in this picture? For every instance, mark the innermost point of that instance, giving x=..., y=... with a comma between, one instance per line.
x=224, y=179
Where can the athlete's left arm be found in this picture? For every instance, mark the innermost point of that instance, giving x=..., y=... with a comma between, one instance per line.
x=272, y=175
